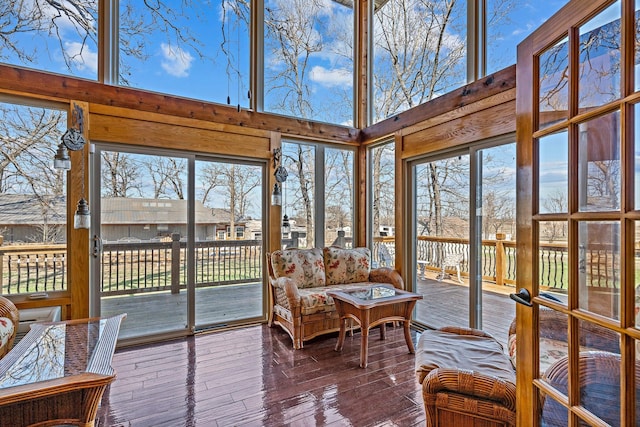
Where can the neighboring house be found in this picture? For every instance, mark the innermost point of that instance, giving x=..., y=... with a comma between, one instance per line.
x=27, y=219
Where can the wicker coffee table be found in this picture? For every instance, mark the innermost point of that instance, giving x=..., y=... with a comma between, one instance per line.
x=374, y=306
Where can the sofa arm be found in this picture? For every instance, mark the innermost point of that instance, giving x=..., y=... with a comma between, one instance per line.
x=469, y=383
x=386, y=275
x=286, y=292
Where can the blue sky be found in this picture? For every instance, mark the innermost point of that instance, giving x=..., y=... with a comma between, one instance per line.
x=170, y=68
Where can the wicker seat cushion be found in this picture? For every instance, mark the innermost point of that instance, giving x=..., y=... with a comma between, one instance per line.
x=438, y=349
x=316, y=300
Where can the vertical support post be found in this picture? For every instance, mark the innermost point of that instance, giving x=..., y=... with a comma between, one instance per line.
x=501, y=259
x=175, y=263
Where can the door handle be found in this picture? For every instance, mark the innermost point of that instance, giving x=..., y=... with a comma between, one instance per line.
x=97, y=246
x=522, y=297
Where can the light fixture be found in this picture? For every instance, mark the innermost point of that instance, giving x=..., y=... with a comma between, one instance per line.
x=286, y=226
x=61, y=161
x=82, y=218
x=73, y=139
x=276, y=196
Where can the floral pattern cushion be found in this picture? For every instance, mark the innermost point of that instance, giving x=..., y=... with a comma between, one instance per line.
x=316, y=300
x=304, y=266
x=347, y=265
x=6, y=331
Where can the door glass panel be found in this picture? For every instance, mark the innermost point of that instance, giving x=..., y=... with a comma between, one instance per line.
x=554, y=84
x=339, y=197
x=599, y=68
x=553, y=173
x=553, y=259
x=636, y=169
x=599, y=267
x=553, y=413
x=599, y=163
x=497, y=205
x=143, y=226
x=554, y=345
x=637, y=47
x=442, y=246
x=228, y=242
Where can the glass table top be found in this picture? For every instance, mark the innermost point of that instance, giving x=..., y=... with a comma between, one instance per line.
x=373, y=293
x=57, y=350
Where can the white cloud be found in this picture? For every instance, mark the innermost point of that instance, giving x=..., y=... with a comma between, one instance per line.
x=81, y=56
x=176, y=61
x=331, y=78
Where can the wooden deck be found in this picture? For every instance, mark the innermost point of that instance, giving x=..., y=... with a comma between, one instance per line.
x=445, y=303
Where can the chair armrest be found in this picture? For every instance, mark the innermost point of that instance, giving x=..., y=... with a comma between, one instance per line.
x=386, y=275
x=289, y=288
x=469, y=383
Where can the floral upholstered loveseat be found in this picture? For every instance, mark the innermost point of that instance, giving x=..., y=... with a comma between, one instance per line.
x=300, y=278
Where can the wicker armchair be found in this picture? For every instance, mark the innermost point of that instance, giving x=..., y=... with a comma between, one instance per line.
x=9, y=317
x=599, y=373
x=481, y=393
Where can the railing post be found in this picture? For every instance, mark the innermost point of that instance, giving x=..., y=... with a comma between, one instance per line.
x=175, y=263
x=500, y=259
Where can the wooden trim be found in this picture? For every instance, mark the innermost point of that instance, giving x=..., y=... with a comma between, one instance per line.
x=361, y=198
x=491, y=85
x=31, y=83
x=362, y=61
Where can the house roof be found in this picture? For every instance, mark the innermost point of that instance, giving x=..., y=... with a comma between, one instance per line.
x=16, y=209
x=21, y=209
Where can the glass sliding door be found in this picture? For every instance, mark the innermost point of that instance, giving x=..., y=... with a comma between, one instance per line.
x=441, y=224
x=140, y=240
x=178, y=241
x=464, y=223
x=228, y=242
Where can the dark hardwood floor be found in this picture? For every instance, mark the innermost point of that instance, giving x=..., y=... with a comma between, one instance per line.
x=253, y=377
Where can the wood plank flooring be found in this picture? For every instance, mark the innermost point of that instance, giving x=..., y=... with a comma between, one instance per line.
x=253, y=377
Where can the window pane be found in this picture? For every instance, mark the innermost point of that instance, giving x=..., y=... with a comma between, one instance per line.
x=298, y=191
x=33, y=210
x=637, y=47
x=599, y=164
x=554, y=259
x=599, y=267
x=419, y=53
x=382, y=176
x=339, y=197
x=196, y=49
x=599, y=66
x=59, y=37
x=554, y=84
x=308, y=64
x=553, y=173
x=636, y=171
x=510, y=22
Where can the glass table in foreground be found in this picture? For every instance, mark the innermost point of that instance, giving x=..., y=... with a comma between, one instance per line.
x=374, y=306
x=58, y=372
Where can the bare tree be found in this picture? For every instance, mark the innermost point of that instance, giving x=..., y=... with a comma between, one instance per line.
x=120, y=175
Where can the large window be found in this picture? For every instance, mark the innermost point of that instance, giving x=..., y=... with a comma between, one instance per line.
x=193, y=49
x=308, y=60
x=381, y=173
x=318, y=196
x=33, y=215
x=419, y=53
x=508, y=23
x=60, y=37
